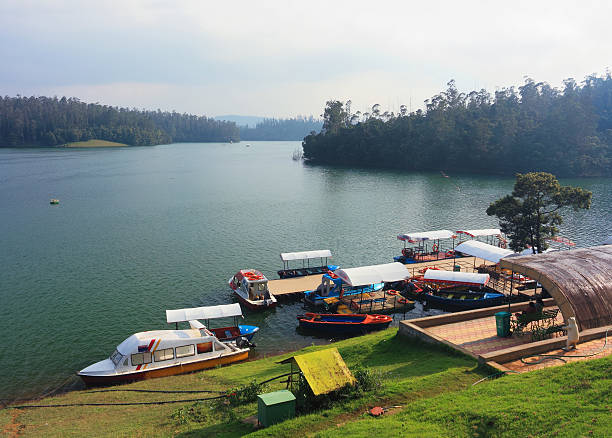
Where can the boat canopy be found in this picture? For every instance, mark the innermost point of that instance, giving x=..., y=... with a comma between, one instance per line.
x=456, y=277
x=480, y=233
x=304, y=255
x=209, y=312
x=483, y=250
x=426, y=235
x=373, y=274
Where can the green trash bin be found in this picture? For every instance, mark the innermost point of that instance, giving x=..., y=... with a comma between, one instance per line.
x=275, y=407
x=502, y=323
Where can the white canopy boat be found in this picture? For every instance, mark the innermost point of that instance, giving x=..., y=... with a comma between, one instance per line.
x=251, y=289
x=356, y=281
x=422, y=252
x=160, y=353
x=305, y=269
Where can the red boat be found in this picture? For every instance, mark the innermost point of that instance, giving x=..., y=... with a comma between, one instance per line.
x=344, y=323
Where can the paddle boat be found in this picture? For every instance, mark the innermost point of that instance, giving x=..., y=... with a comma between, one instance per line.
x=54, y=201
x=305, y=269
x=251, y=289
x=459, y=291
x=344, y=323
x=334, y=287
x=422, y=252
x=161, y=353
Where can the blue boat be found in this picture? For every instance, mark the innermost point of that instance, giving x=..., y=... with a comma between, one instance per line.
x=231, y=333
x=331, y=286
x=462, y=298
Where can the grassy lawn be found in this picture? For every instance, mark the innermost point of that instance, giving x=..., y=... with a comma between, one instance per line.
x=433, y=386
x=94, y=143
x=574, y=400
x=410, y=370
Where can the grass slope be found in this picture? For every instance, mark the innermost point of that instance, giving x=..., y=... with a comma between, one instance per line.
x=431, y=383
x=410, y=370
x=94, y=143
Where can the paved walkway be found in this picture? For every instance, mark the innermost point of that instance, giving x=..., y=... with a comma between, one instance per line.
x=480, y=335
x=595, y=347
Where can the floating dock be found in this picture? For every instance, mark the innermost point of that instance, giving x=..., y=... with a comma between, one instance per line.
x=294, y=288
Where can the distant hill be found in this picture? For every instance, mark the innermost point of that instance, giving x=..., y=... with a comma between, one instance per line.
x=248, y=121
x=282, y=129
x=49, y=121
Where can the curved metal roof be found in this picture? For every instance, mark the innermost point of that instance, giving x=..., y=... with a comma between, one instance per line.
x=579, y=280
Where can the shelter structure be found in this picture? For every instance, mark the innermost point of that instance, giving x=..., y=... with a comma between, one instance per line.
x=324, y=370
x=490, y=235
x=467, y=278
x=580, y=281
x=305, y=255
x=483, y=250
x=364, y=275
x=208, y=312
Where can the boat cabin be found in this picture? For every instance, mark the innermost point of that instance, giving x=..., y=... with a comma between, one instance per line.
x=252, y=283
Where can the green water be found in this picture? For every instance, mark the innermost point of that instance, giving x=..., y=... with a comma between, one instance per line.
x=142, y=230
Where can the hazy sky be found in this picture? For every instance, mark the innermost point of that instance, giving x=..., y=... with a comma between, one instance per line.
x=284, y=58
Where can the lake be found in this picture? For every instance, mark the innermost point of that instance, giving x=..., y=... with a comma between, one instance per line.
x=143, y=229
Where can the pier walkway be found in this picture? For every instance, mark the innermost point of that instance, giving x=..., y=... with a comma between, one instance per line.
x=294, y=288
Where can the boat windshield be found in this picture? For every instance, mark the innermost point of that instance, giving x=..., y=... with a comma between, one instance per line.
x=116, y=357
x=261, y=287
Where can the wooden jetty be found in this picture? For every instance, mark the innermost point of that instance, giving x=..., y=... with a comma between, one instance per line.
x=371, y=302
x=293, y=288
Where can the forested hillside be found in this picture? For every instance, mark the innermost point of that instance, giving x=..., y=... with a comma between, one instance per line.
x=533, y=128
x=282, y=129
x=45, y=121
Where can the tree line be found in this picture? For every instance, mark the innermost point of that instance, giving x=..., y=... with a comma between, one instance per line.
x=536, y=127
x=52, y=121
x=282, y=129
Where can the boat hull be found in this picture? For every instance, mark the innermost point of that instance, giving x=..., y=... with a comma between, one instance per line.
x=456, y=304
x=344, y=324
x=256, y=305
x=101, y=380
x=312, y=298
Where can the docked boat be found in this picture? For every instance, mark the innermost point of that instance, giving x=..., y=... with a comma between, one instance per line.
x=334, y=287
x=459, y=291
x=226, y=332
x=359, y=282
x=160, y=353
x=251, y=289
x=426, y=246
x=344, y=323
x=462, y=298
x=293, y=258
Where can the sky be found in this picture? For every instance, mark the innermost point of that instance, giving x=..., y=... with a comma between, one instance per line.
x=287, y=58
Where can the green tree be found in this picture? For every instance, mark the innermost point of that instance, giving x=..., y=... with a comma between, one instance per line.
x=334, y=116
x=530, y=215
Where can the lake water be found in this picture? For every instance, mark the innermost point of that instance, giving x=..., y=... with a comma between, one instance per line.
x=144, y=229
